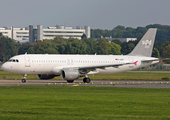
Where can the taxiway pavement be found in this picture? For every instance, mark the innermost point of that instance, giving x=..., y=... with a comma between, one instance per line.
x=105, y=83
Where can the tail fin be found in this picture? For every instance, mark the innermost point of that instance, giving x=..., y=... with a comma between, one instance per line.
x=145, y=45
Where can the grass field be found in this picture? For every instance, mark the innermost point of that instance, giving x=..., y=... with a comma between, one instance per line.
x=118, y=76
x=85, y=103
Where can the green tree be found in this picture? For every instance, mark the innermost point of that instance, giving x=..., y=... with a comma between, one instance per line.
x=68, y=49
x=127, y=48
x=62, y=48
x=166, y=53
x=117, y=41
x=76, y=47
x=40, y=46
x=163, y=32
x=30, y=50
x=155, y=53
x=24, y=48
x=59, y=39
x=114, y=48
x=51, y=51
x=160, y=46
x=83, y=36
x=90, y=45
x=118, y=32
x=97, y=33
x=8, y=48
x=102, y=47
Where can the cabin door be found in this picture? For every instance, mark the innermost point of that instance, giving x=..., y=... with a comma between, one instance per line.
x=70, y=62
x=131, y=61
x=27, y=61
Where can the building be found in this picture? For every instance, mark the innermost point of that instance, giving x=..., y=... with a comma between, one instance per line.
x=110, y=39
x=18, y=34
x=31, y=34
x=15, y=33
x=6, y=31
x=125, y=39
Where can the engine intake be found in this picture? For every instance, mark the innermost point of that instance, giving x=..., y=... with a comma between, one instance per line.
x=70, y=74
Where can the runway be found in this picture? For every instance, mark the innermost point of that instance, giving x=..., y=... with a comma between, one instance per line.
x=105, y=83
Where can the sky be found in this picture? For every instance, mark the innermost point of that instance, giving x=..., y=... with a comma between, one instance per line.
x=98, y=14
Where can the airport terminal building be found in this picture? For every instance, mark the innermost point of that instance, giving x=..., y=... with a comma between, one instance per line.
x=31, y=34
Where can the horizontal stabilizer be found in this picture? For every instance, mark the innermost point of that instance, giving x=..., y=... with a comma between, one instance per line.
x=156, y=59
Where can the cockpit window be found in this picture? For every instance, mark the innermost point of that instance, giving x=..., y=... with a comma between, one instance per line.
x=9, y=60
x=13, y=60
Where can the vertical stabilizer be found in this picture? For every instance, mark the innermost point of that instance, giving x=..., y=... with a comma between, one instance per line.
x=145, y=45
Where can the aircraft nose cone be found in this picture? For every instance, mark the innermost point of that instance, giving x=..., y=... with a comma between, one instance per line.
x=4, y=67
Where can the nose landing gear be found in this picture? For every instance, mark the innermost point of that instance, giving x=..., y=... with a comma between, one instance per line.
x=24, y=78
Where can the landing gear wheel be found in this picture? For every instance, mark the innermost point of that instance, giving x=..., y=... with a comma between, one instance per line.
x=86, y=80
x=70, y=81
x=23, y=80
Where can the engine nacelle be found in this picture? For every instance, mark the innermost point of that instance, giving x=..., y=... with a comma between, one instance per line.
x=70, y=74
x=46, y=76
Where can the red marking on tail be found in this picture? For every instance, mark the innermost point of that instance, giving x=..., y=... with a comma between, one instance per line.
x=135, y=63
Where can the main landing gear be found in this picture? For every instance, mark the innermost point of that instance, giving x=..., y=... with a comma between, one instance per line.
x=24, y=78
x=86, y=79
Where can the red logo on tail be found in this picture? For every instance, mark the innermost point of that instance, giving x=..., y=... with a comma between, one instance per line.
x=135, y=63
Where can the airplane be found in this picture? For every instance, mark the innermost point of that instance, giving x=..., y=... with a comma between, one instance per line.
x=71, y=67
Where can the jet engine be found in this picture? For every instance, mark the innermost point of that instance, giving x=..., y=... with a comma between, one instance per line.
x=46, y=76
x=70, y=74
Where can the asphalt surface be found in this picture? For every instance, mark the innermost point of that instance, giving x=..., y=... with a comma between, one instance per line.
x=105, y=83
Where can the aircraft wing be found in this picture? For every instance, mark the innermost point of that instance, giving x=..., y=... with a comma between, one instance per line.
x=103, y=66
x=91, y=68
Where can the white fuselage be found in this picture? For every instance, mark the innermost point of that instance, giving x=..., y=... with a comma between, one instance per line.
x=53, y=64
x=71, y=67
